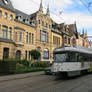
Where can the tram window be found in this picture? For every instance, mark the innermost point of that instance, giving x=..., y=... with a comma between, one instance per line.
x=87, y=58
x=84, y=57
x=90, y=58
x=73, y=56
x=81, y=57
x=63, y=57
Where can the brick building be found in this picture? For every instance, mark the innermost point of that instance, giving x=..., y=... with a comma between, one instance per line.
x=82, y=39
x=20, y=33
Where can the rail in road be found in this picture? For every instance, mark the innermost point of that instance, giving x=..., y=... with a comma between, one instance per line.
x=46, y=83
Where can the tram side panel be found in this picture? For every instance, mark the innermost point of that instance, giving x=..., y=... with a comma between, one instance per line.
x=85, y=65
x=90, y=66
x=71, y=68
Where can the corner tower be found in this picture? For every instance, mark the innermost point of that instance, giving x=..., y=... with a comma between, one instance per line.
x=48, y=11
x=41, y=7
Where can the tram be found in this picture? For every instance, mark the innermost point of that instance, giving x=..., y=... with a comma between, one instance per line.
x=72, y=61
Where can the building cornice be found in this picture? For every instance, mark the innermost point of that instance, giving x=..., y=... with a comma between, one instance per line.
x=7, y=40
x=24, y=23
x=55, y=32
x=19, y=28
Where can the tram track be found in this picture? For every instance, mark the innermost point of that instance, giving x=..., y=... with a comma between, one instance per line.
x=45, y=83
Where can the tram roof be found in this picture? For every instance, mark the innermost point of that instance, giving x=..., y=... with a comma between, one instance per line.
x=74, y=49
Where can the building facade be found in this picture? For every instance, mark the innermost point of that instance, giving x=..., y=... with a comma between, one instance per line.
x=20, y=33
x=90, y=44
x=82, y=39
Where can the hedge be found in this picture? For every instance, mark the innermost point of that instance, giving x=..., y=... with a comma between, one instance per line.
x=8, y=66
x=23, y=62
x=41, y=64
x=29, y=69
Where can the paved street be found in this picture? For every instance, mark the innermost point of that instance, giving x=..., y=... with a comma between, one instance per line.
x=46, y=83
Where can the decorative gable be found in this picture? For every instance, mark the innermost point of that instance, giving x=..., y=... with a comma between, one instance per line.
x=6, y=4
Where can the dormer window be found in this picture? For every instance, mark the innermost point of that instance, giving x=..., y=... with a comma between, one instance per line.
x=6, y=1
x=19, y=18
x=27, y=21
x=33, y=23
x=23, y=20
x=16, y=17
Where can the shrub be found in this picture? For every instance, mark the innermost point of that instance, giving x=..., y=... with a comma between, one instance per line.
x=41, y=64
x=9, y=60
x=35, y=54
x=24, y=62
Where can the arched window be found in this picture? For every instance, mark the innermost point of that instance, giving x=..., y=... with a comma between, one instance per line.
x=5, y=15
x=65, y=40
x=39, y=49
x=18, y=54
x=46, y=54
x=11, y=17
x=5, y=53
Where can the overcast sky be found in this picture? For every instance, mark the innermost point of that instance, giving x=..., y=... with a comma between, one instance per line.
x=67, y=11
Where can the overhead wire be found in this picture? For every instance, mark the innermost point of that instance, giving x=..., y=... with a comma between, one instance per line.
x=86, y=7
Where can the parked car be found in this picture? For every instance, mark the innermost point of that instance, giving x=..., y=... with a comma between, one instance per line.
x=49, y=71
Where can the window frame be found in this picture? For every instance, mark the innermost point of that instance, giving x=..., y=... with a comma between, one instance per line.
x=5, y=15
x=11, y=17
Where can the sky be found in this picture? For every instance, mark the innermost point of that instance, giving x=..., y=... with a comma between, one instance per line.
x=62, y=11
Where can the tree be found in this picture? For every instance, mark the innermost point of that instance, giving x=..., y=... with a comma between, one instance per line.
x=35, y=54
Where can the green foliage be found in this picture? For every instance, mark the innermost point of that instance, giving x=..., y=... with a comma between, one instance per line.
x=7, y=66
x=41, y=64
x=24, y=62
x=9, y=60
x=35, y=54
x=29, y=69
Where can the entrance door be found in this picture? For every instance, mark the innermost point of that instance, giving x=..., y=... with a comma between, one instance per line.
x=5, y=53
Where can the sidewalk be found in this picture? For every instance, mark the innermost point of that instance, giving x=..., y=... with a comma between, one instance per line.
x=19, y=76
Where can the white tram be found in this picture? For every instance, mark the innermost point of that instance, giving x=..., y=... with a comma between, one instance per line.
x=72, y=61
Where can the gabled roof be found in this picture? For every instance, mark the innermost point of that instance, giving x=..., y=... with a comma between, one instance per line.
x=73, y=29
x=32, y=16
x=22, y=14
x=24, y=18
x=7, y=6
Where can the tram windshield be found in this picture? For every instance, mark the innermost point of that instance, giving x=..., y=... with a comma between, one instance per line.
x=65, y=57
